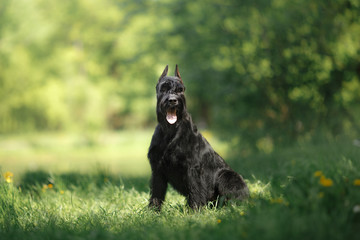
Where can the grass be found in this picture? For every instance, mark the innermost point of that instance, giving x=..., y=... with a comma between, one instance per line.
x=81, y=152
x=303, y=192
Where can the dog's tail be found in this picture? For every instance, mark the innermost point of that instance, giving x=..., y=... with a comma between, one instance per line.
x=231, y=185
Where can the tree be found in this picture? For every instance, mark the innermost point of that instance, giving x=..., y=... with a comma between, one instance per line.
x=276, y=70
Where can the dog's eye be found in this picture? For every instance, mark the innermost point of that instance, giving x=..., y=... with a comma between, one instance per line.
x=164, y=88
x=180, y=89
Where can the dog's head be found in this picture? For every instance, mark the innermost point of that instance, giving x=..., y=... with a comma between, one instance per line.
x=170, y=97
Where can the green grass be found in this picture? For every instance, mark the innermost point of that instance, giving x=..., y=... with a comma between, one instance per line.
x=287, y=200
x=121, y=153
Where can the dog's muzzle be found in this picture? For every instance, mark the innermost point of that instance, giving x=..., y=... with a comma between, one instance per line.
x=171, y=116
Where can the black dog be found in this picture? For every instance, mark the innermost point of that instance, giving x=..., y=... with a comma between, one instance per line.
x=181, y=156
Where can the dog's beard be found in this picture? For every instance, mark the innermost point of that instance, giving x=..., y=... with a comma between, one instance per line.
x=171, y=116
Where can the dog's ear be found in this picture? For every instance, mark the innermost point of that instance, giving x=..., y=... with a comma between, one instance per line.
x=164, y=72
x=177, y=74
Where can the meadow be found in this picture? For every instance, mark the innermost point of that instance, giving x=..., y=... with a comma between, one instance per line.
x=77, y=76
x=67, y=186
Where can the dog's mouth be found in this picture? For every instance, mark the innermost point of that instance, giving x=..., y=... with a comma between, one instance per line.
x=171, y=116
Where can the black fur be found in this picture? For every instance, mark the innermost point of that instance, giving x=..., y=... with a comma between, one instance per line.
x=181, y=156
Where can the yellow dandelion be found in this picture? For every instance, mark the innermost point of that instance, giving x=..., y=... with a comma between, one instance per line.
x=326, y=182
x=50, y=185
x=356, y=182
x=8, y=177
x=318, y=174
x=62, y=192
x=219, y=221
x=44, y=187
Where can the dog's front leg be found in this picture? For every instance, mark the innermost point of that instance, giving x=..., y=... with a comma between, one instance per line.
x=197, y=190
x=158, y=189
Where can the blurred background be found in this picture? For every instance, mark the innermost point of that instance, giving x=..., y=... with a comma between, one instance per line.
x=77, y=78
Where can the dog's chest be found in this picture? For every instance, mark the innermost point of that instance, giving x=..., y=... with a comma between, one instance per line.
x=175, y=167
x=174, y=159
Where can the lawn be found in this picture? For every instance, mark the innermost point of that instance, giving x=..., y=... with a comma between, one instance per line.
x=62, y=186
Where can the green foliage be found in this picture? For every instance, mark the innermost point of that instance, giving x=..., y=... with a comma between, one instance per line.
x=75, y=64
x=277, y=70
x=263, y=72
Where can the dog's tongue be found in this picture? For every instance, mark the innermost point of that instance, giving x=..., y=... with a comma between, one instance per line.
x=171, y=116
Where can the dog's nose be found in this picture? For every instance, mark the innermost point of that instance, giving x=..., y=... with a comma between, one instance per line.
x=173, y=101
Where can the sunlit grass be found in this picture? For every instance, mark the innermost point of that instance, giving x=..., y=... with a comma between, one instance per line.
x=122, y=152
x=306, y=190
x=110, y=209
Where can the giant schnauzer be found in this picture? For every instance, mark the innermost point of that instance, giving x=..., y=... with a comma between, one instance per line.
x=181, y=156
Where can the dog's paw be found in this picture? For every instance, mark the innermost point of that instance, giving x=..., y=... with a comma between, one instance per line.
x=155, y=204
